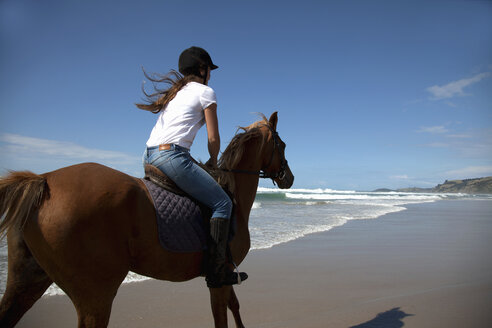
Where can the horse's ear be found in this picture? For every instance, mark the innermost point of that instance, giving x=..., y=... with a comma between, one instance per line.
x=273, y=121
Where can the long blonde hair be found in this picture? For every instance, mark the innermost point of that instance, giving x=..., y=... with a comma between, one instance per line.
x=158, y=100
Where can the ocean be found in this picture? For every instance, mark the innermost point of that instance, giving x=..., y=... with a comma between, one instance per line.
x=280, y=216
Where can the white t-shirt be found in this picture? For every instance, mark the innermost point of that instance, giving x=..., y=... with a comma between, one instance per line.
x=181, y=119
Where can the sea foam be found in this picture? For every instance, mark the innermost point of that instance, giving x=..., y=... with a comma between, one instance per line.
x=279, y=216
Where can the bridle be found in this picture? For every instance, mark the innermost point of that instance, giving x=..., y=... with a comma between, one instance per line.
x=263, y=173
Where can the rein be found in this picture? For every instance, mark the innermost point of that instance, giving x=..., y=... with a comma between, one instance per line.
x=280, y=174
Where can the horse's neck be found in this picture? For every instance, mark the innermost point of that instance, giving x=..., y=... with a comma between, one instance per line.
x=246, y=186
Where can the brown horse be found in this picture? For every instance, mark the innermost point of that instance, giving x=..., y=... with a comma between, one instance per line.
x=86, y=226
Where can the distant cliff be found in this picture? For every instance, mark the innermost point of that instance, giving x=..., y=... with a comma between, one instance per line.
x=469, y=186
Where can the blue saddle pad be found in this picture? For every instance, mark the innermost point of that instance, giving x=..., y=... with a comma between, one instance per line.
x=179, y=221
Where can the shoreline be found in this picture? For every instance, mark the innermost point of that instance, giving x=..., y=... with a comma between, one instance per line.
x=425, y=266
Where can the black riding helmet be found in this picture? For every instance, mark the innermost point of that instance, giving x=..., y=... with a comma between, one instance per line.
x=193, y=59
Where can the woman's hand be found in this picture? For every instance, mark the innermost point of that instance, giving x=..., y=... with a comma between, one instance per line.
x=211, y=163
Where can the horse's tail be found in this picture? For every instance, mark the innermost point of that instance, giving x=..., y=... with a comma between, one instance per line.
x=20, y=194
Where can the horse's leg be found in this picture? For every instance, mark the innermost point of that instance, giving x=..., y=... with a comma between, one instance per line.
x=26, y=281
x=234, y=307
x=93, y=300
x=94, y=315
x=92, y=292
x=219, y=299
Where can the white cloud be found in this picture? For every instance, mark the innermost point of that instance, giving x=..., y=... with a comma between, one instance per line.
x=459, y=136
x=433, y=129
x=451, y=104
x=475, y=145
x=400, y=177
x=438, y=145
x=455, y=88
x=470, y=172
x=478, y=150
x=17, y=145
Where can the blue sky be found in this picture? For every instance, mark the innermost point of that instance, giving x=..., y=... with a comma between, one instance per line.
x=369, y=93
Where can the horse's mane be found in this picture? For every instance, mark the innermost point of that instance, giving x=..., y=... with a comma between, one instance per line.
x=235, y=150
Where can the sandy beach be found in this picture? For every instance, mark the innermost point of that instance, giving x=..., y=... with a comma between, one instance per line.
x=427, y=266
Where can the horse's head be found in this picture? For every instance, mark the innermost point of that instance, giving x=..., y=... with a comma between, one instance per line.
x=274, y=164
x=258, y=151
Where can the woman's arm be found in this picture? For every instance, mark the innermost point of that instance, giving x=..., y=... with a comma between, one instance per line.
x=213, y=134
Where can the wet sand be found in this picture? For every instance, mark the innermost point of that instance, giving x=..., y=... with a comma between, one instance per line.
x=428, y=266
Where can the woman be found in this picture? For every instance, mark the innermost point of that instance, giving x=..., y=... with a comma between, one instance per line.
x=183, y=109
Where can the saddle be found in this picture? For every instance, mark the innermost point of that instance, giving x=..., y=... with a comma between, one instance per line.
x=155, y=175
x=182, y=221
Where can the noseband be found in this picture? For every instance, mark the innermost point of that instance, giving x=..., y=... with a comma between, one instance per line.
x=280, y=174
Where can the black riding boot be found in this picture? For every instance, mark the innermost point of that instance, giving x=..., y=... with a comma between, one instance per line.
x=218, y=271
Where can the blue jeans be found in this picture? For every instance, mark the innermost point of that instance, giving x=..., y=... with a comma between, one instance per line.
x=178, y=165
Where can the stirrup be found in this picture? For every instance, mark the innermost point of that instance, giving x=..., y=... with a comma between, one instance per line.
x=230, y=278
x=235, y=278
x=241, y=276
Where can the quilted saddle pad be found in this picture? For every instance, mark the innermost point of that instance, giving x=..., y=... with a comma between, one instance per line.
x=180, y=224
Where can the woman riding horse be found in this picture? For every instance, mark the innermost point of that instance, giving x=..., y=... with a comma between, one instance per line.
x=183, y=109
x=86, y=226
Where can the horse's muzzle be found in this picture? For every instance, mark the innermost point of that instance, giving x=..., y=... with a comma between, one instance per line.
x=286, y=179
